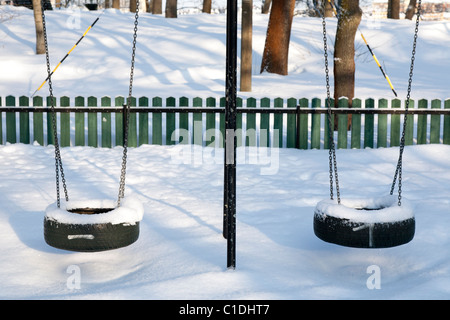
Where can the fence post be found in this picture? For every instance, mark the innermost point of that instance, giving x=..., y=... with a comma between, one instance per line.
x=435, y=122
x=24, y=122
x=368, y=125
x=10, y=120
x=157, y=122
x=355, y=140
x=382, y=125
x=65, y=123
x=315, y=125
x=446, y=138
x=143, y=122
x=38, y=121
x=395, y=124
x=106, y=123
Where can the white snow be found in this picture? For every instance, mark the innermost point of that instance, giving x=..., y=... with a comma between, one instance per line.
x=367, y=210
x=181, y=253
x=129, y=212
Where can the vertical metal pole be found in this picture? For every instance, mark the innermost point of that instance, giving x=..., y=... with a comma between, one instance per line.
x=230, y=137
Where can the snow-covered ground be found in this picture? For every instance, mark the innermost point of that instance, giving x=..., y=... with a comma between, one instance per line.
x=181, y=253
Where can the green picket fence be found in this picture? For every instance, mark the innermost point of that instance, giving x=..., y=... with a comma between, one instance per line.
x=289, y=123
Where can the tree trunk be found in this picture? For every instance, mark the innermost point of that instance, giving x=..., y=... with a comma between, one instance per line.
x=171, y=9
x=276, y=48
x=155, y=7
x=246, y=45
x=393, y=9
x=410, y=11
x=318, y=4
x=266, y=6
x=133, y=5
x=39, y=26
x=206, y=6
x=116, y=4
x=344, y=51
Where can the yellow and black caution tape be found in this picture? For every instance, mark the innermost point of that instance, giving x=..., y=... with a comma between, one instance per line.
x=371, y=52
x=67, y=54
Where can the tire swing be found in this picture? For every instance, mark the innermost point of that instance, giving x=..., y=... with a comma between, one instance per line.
x=382, y=222
x=97, y=224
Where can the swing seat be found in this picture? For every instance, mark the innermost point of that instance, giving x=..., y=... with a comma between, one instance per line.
x=93, y=225
x=365, y=223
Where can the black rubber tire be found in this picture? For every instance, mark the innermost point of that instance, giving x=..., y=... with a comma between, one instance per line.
x=361, y=235
x=89, y=237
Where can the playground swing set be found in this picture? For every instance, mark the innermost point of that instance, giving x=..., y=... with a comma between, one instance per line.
x=98, y=225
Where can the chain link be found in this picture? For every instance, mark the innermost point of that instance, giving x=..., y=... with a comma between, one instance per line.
x=58, y=162
x=399, y=168
x=332, y=146
x=126, y=112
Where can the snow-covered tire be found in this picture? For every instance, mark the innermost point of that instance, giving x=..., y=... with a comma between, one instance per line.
x=105, y=228
x=89, y=237
x=367, y=223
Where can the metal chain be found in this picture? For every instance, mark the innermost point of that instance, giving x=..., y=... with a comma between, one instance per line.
x=58, y=161
x=332, y=146
x=399, y=169
x=127, y=111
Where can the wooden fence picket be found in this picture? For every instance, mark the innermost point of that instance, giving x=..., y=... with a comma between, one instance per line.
x=446, y=134
x=355, y=139
x=265, y=124
x=211, y=136
x=79, y=123
x=291, y=125
x=157, y=133
x=106, y=123
x=382, y=125
x=315, y=124
x=197, y=123
x=10, y=101
x=435, y=122
x=251, y=136
x=409, y=130
x=64, y=123
x=143, y=122
x=24, y=121
x=170, y=122
x=395, y=124
x=38, y=121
